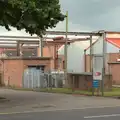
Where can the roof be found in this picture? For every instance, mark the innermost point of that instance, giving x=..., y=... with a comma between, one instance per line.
x=113, y=41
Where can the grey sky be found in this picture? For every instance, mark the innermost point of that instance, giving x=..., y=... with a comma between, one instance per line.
x=93, y=14
x=90, y=15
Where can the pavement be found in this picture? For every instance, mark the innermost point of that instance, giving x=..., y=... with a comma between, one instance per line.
x=37, y=105
x=79, y=114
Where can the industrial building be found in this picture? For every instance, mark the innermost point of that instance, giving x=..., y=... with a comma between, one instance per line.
x=80, y=50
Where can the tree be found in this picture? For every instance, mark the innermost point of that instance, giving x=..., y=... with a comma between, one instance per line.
x=35, y=16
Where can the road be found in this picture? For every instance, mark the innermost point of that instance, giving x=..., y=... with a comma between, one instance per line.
x=79, y=114
x=28, y=105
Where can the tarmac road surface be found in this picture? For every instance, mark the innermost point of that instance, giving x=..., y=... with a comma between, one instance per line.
x=108, y=113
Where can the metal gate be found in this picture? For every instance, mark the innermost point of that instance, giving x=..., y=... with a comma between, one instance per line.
x=36, y=78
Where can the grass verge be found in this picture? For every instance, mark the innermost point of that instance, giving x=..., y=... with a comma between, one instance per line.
x=115, y=92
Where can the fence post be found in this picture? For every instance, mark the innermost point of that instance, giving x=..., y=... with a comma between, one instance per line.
x=28, y=78
x=38, y=72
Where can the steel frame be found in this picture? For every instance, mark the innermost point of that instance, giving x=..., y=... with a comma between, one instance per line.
x=88, y=35
x=5, y=41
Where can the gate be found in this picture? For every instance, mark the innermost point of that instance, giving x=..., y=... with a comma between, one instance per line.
x=35, y=78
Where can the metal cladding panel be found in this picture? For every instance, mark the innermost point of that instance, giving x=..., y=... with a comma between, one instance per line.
x=112, y=48
x=97, y=47
x=76, y=56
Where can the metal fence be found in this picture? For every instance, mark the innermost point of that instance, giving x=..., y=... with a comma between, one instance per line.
x=33, y=78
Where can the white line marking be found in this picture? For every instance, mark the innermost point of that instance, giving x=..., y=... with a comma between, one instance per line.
x=102, y=116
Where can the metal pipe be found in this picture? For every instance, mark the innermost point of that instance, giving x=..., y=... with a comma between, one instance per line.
x=91, y=62
x=33, y=41
x=56, y=33
x=14, y=47
x=37, y=40
x=85, y=61
x=91, y=53
x=72, y=33
x=104, y=54
x=18, y=48
x=1, y=43
x=65, y=48
x=63, y=33
x=55, y=57
x=22, y=37
x=112, y=32
x=41, y=46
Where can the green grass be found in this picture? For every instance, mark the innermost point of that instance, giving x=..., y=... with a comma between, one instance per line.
x=65, y=91
x=113, y=93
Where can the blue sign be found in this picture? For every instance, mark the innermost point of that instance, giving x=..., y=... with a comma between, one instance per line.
x=95, y=83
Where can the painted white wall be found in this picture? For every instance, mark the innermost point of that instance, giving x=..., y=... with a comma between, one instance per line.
x=75, y=55
x=98, y=47
x=112, y=48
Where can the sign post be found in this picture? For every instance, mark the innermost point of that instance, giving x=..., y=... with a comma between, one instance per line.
x=99, y=55
x=97, y=71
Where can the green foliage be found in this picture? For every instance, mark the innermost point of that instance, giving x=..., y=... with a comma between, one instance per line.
x=35, y=16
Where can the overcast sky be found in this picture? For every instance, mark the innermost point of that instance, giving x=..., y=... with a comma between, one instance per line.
x=87, y=15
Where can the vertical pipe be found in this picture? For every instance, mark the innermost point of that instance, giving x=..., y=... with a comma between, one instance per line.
x=65, y=49
x=21, y=50
x=85, y=62
x=55, y=56
x=90, y=53
x=41, y=46
x=103, y=70
x=18, y=48
x=91, y=62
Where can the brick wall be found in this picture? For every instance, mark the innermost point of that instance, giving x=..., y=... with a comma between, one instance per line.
x=49, y=51
x=84, y=81
x=110, y=68
x=115, y=71
x=13, y=70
